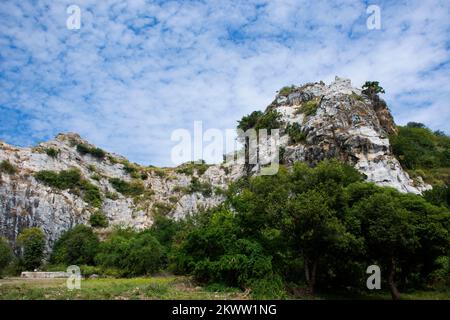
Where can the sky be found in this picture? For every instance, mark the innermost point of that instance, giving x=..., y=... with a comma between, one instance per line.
x=137, y=70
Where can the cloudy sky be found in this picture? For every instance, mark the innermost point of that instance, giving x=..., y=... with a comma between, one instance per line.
x=137, y=70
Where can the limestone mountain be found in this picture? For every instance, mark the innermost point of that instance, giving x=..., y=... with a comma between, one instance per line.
x=61, y=183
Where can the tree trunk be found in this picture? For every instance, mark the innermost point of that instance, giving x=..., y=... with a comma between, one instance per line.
x=310, y=274
x=391, y=280
x=305, y=261
x=312, y=280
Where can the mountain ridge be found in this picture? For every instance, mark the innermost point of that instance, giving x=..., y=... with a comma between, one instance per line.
x=316, y=121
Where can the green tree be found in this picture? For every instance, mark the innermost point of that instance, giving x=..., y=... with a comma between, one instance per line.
x=249, y=121
x=6, y=254
x=372, y=88
x=389, y=232
x=131, y=253
x=316, y=231
x=32, y=243
x=78, y=245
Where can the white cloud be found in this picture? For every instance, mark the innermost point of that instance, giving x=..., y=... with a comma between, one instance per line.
x=137, y=70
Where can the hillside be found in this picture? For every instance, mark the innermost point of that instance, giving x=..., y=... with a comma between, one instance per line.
x=61, y=183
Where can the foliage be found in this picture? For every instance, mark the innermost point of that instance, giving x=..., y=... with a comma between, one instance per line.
x=204, y=188
x=309, y=108
x=249, y=121
x=134, y=188
x=6, y=255
x=76, y=246
x=98, y=219
x=32, y=245
x=93, y=151
x=269, y=120
x=295, y=133
x=71, y=179
x=287, y=90
x=131, y=253
x=7, y=167
x=52, y=152
x=214, y=253
x=162, y=208
x=417, y=147
x=372, y=88
x=258, y=120
x=321, y=226
x=193, y=166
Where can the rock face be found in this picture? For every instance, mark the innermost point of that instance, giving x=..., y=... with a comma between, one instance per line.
x=26, y=202
x=336, y=121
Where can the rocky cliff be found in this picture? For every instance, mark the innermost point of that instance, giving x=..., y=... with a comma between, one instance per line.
x=331, y=121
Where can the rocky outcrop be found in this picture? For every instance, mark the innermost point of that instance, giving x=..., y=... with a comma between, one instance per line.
x=339, y=121
x=25, y=202
x=336, y=121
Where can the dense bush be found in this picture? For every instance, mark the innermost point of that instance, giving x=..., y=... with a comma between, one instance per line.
x=134, y=188
x=309, y=108
x=196, y=185
x=287, y=90
x=71, y=179
x=249, y=121
x=131, y=253
x=190, y=167
x=418, y=147
x=52, y=152
x=258, y=120
x=7, y=167
x=95, y=152
x=321, y=226
x=6, y=255
x=32, y=245
x=214, y=252
x=295, y=133
x=98, y=219
x=76, y=246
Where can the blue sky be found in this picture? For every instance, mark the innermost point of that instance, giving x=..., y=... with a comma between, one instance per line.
x=137, y=70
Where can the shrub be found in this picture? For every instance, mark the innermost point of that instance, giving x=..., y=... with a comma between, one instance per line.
x=93, y=151
x=249, y=121
x=134, y=188
x=98, y=220
x=32, y=244
x=309, y=108
x=6, y=255
x=112, y=195
x=7, y=167
x=162, y=208
x=204, y=188
x=417, y=147
x=268, y=288
x=269, y=120
x=78, y=246
x=65, y=179
x=52, y=152
x=132, y=253
x=190, y=167
x=295, y=133
x=285, y=91
x=214, y=253
x=72, y=180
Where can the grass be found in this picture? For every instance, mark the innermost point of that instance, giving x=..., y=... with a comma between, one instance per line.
x=161, y=288
x=7, y=167
x=165, y=288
